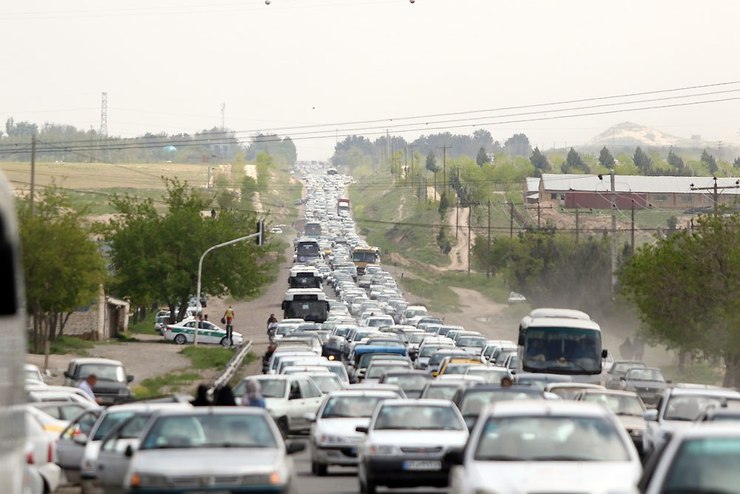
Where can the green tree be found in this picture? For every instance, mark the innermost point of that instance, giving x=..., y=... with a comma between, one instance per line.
x=264, y=164
x=155, y=254
x=518, y=145
x=606, y=159
x=574, y=163
x=686, y=287
x=249, y=187
x=62, y=265
x=444, y=203
x=710, y=162
x=736, y=163
x=642, y=161
x=482, y=157
x=540, y=162
x=543, y=263
x=675, y=161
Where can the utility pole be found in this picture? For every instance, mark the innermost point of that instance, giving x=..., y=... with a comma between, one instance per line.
x=715, y=191
x=511, y=220
x=444, y=166
x=470, y=207
x=614, y=229
x=488, y=256
x=457, y=218
x=539, y=208
x=578, y=223
x=632, y=228
x=33, y=173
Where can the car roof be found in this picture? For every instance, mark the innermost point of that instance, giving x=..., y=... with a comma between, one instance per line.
x=380, y=392
x=562, y=322
x=418, y=403
x=547, y=408
x=613, y=392
x=562, y=385
x=708, y=429
x=101, y=361
x=702, y=390
x=211, y=410
x=146, y=406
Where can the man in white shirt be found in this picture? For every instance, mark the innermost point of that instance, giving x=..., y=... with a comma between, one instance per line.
x=88, y=384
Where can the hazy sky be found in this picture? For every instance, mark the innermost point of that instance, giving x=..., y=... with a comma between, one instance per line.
x=168, y=65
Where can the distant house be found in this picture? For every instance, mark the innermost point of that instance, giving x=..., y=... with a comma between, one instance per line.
x=665, y=192
x=105, y=319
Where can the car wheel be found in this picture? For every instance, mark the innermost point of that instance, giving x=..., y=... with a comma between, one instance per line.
x=180, y=339
x=282, y=424
x=224, y=342
x=367, y=487
x=320, y=469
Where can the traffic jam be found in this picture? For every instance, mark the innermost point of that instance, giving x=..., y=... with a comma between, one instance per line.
x=367, y=384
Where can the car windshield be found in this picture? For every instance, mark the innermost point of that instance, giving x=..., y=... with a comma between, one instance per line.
x=327, y=382
x=471, y=341
x=491, y=374
x=410, y=417
x=475, y=401
x=108, y=422
x=272, y=388
x=377, y=370
x=408, y=382
x=688, y=407
x=416, y=337
x=440, y=392
x=350, y=406
x=308, y=249
x=705, y=465
x=104, y=372
x=549, y=438
x=428, y=350
x=644, y=375
x=457, y=369
x=619, y=404
x=210, y=431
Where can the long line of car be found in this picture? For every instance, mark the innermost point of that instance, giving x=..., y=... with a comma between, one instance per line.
x=387, y=388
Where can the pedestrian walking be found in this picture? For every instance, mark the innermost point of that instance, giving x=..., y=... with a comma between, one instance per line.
x=201, y=397
x=223, y=396
x=87, y=385
x=253, y=396
x=228, y=319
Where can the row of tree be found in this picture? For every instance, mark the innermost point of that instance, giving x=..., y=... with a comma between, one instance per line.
x=65, y=143
x=148, y=253
x=685, y=286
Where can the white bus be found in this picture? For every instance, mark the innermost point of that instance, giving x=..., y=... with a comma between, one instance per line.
x=309, y=304
x=13, y=348
x=560, y=341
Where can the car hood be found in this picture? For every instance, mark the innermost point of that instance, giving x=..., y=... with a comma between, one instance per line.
x=341, y=426
x=211, y=461
x=552, y=477
x=419, y=438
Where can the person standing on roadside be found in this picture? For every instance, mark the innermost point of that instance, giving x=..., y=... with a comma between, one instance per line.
x=253, y=396
x=201, y=397
x=87, y=385
x=229, y=317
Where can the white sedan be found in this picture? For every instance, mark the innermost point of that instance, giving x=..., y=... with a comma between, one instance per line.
x=546, y=446
x=184, y=332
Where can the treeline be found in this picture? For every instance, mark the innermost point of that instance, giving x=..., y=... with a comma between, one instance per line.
x=65, y=143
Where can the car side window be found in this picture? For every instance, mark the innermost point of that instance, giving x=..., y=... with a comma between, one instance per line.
x=81, y=426
x=295, y=391
x=309, y=389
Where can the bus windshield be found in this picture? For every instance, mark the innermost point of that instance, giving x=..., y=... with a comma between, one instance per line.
x=312, y=229
x=364, y=257
x=562, y=351
x=308, y=310
x=308, y=249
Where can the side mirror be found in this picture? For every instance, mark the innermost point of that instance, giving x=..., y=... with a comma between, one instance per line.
x=362, y=428
x=454, y=457
x=129, y=452
x=295, y=447
x=80, y=439
x=311, y=417
x=67, y=375
x=604, y=353
x=651, y=415
x=129, y=378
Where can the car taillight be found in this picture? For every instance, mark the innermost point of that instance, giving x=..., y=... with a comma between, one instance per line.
x=29, y=458
x=50, y=453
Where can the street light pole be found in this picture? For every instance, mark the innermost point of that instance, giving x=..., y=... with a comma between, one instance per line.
x=198, y=305
x=614, y=230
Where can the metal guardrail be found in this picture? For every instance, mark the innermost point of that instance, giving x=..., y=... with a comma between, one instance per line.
x=233, y=365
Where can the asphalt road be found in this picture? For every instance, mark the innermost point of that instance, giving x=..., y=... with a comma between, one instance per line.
x=340, y=480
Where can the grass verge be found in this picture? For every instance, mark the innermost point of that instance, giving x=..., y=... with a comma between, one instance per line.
x=70, y=344
x=166, y=384
x=144, y=326
x=437, y=295
x=203, y=357
x=700, y=373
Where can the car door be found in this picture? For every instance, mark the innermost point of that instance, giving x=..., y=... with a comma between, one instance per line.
x=71, y=443
x=296, y=405
x=212, y=333
x=113, y=463
x=310, y=401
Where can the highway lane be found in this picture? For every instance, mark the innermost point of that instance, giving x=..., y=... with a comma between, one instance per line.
x=340, y=480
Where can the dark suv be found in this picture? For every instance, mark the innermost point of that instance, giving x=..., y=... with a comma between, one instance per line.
x=112, y=385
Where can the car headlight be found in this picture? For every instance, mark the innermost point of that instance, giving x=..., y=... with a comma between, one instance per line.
x=329, y=439
x=147, y=480
x=383, y=449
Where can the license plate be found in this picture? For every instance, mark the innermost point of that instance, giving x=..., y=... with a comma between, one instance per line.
x=422, y=465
